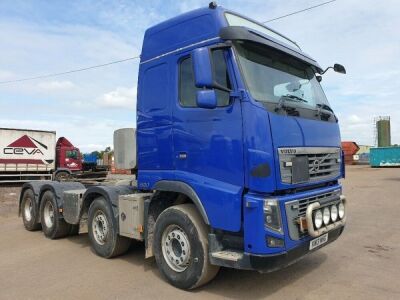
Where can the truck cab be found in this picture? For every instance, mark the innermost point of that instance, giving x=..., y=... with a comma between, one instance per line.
x=67, y=155
x=237, y=153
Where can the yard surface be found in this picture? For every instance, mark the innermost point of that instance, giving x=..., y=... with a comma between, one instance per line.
x=364, y=263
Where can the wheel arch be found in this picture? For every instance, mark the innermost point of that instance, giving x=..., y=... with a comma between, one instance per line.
x=35, y=187
x=185, y=189
x=168, y=193
x=58, y=188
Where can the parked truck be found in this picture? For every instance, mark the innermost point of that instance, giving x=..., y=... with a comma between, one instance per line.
x=35, y=155
x=71, y=164
x=237, y=152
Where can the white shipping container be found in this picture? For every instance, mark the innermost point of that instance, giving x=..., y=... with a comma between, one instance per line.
x=24, y=150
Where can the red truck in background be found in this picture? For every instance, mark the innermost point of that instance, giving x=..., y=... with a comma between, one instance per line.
x=67, y=155
x=27, y=155
x=71, y=165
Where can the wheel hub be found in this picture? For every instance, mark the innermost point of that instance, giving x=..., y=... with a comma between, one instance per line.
x=176, y=248
x=48, y=214
x=100, y=228
x=28, y=209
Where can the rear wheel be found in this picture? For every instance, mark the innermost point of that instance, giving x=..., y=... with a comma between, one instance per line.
x=103, y=233
x=181, y=247
x=53, y=225
x=29, y=211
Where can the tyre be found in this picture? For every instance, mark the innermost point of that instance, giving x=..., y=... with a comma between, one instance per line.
x=74, y=230
x=53, y=225
x=29, y=211
x=181, y=247
x=102, y=229
x=62, y=176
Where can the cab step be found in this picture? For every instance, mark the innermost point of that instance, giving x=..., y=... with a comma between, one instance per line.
x=228, y=255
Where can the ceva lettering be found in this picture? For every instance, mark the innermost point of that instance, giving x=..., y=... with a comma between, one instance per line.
x=21, y=151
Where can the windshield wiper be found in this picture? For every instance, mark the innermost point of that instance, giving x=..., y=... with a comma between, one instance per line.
x=288, y=97
x=294, y=98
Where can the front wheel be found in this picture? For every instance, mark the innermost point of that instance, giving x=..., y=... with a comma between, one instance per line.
x=181, y=247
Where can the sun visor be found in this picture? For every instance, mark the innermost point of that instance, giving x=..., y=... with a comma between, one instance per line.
x=240, y=33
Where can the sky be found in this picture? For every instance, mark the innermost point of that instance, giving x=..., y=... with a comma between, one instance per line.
x=41, y=37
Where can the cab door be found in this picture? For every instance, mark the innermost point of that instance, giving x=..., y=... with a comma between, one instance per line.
x=208, y=144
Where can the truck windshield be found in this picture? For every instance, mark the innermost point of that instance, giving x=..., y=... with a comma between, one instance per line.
x=72, y=154
x=273, y=78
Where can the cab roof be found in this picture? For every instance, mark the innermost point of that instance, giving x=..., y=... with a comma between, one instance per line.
x=183, y=30
x=197, y=26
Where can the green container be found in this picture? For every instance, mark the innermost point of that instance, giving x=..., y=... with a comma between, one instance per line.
x=384, y=157
x=383, y=128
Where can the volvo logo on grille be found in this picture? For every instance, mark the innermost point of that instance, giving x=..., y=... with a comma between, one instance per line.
x=287, y=151
x=316, y=164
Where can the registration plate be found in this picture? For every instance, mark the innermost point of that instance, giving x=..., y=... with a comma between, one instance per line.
x=319, y=241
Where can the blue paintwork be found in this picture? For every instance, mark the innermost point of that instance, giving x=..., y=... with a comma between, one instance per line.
x=215, y=150
x=202, y=67
x=206, y=99
x=90, y=158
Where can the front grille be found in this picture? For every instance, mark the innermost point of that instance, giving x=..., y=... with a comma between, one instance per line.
x=308, y=164
x=297, y=209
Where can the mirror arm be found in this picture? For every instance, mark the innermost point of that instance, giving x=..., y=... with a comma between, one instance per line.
x=323, y=72
x=221, y=87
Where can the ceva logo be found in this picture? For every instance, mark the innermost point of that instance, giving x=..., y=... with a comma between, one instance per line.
x=24, y=145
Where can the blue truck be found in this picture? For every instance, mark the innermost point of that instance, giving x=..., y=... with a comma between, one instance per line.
x=237, y=154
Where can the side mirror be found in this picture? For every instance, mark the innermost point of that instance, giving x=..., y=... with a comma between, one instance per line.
x=206, y=99
x=203, y=68
x=339, y=68
x=203, y=75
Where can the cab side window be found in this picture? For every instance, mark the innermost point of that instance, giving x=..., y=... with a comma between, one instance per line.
x=221, y=76
x=187, y=88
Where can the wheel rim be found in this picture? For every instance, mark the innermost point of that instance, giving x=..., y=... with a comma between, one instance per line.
x=28, y=209
x=100, y=227
x=48, y=214
x=176, y=248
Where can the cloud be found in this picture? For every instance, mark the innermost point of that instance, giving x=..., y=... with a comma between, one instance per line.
x=93, y=147
x=56, y=85
x=121, y=97
x=6, y=75
x=354, y=119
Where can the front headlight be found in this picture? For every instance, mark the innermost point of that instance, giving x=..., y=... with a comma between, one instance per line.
x=318, y=219
x=341, y=210
x=272, y=215
x=326, y=215
x=334, y=213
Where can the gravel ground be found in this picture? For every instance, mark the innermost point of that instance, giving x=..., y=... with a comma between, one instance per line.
x=362, y=264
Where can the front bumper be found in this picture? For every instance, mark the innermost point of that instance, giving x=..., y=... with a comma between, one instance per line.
x=270, y=263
